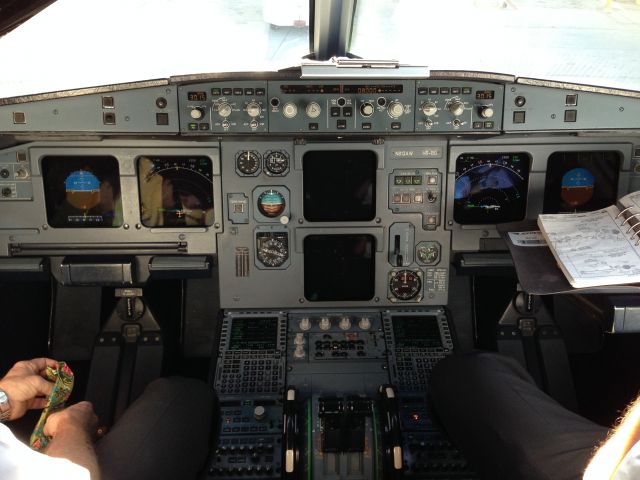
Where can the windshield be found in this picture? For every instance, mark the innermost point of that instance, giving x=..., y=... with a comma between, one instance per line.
x=595, y=42
x=83, y=43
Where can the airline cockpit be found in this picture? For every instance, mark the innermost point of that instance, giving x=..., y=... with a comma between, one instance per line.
x=311, y=242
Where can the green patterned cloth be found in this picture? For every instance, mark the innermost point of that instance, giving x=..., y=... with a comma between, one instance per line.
x=63, y=378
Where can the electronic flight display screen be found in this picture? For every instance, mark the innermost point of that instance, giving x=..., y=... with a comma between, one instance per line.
x=254, y=333
x=339, y=267
x=339, y=185
x=491, y=188
x=176, y=191
x=581, y=181
x=416, y=331
x=82, y=191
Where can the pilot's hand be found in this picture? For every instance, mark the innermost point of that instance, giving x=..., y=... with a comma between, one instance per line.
x=26, y=386
x=73, y=420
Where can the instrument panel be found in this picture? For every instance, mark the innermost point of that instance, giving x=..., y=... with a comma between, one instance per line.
x=358, y=189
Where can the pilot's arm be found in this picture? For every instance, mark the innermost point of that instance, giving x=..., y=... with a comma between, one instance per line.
x=610, y=460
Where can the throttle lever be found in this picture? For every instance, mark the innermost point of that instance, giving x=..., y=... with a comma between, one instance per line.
x=392, y=441
x=290, y=433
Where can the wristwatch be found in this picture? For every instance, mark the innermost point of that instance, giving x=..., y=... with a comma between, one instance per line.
x=5, y=406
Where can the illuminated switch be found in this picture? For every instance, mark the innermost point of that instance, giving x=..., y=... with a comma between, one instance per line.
x=432, y=180
x=238, y=208
x=431, y=220
x=397, y=198
x=417, y=198
x=406, y=198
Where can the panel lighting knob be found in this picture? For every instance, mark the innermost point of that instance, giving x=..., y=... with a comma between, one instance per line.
x=22, y=174
x=325, y=323
x=485, y=111
x=259, y=413
x=364, y=323
x=299, y=352
x=304, y=324
x=456, y=108
x=253, y=109
x=366, y=109
x=289, y=110
x=299, y=339
x=429, y=108
x=197, y=113
x=395, y=109
x=313, y=110
x=224, y=109
x=345, y=323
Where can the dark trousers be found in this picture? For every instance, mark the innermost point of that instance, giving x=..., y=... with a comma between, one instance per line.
x=164, y=434
x=505, y=425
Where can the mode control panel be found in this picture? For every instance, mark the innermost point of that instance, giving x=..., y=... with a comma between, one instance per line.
x=353, y=106
x=452, y=106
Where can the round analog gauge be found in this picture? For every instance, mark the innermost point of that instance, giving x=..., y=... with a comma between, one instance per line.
x=276, y=162
x=271, y=203
x=248, y=162
x=272, y=249
x=405, y=284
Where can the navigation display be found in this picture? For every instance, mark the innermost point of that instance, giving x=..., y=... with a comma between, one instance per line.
x=259, y=333
x=82, y=191
x=417, y=331
x=176, y=191
x=339, y=267
x=491, y=188
x=581, y=181
x=339, y=186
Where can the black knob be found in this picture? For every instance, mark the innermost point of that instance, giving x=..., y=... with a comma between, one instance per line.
x=4, y=173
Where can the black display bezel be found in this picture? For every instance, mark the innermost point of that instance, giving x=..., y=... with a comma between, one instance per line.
x=518, y=165
x=60, y=214
x=339, y=267
x=604, y=165
x=339, y=185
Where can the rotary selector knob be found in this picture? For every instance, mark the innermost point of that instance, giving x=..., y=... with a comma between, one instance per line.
x=304, y=324
x=395, y=109
x=259, y=413
x=313, y=110
x=197, y=113
x=224, y=109
x=366, y=109
x=429, y=108
x=253, y=109
x=485, y=111
x=299, y=352
x=364, y=323
x=289, y=110
x=345, y=323
x=299, y=339
x=325, y=323
x=456, y=108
